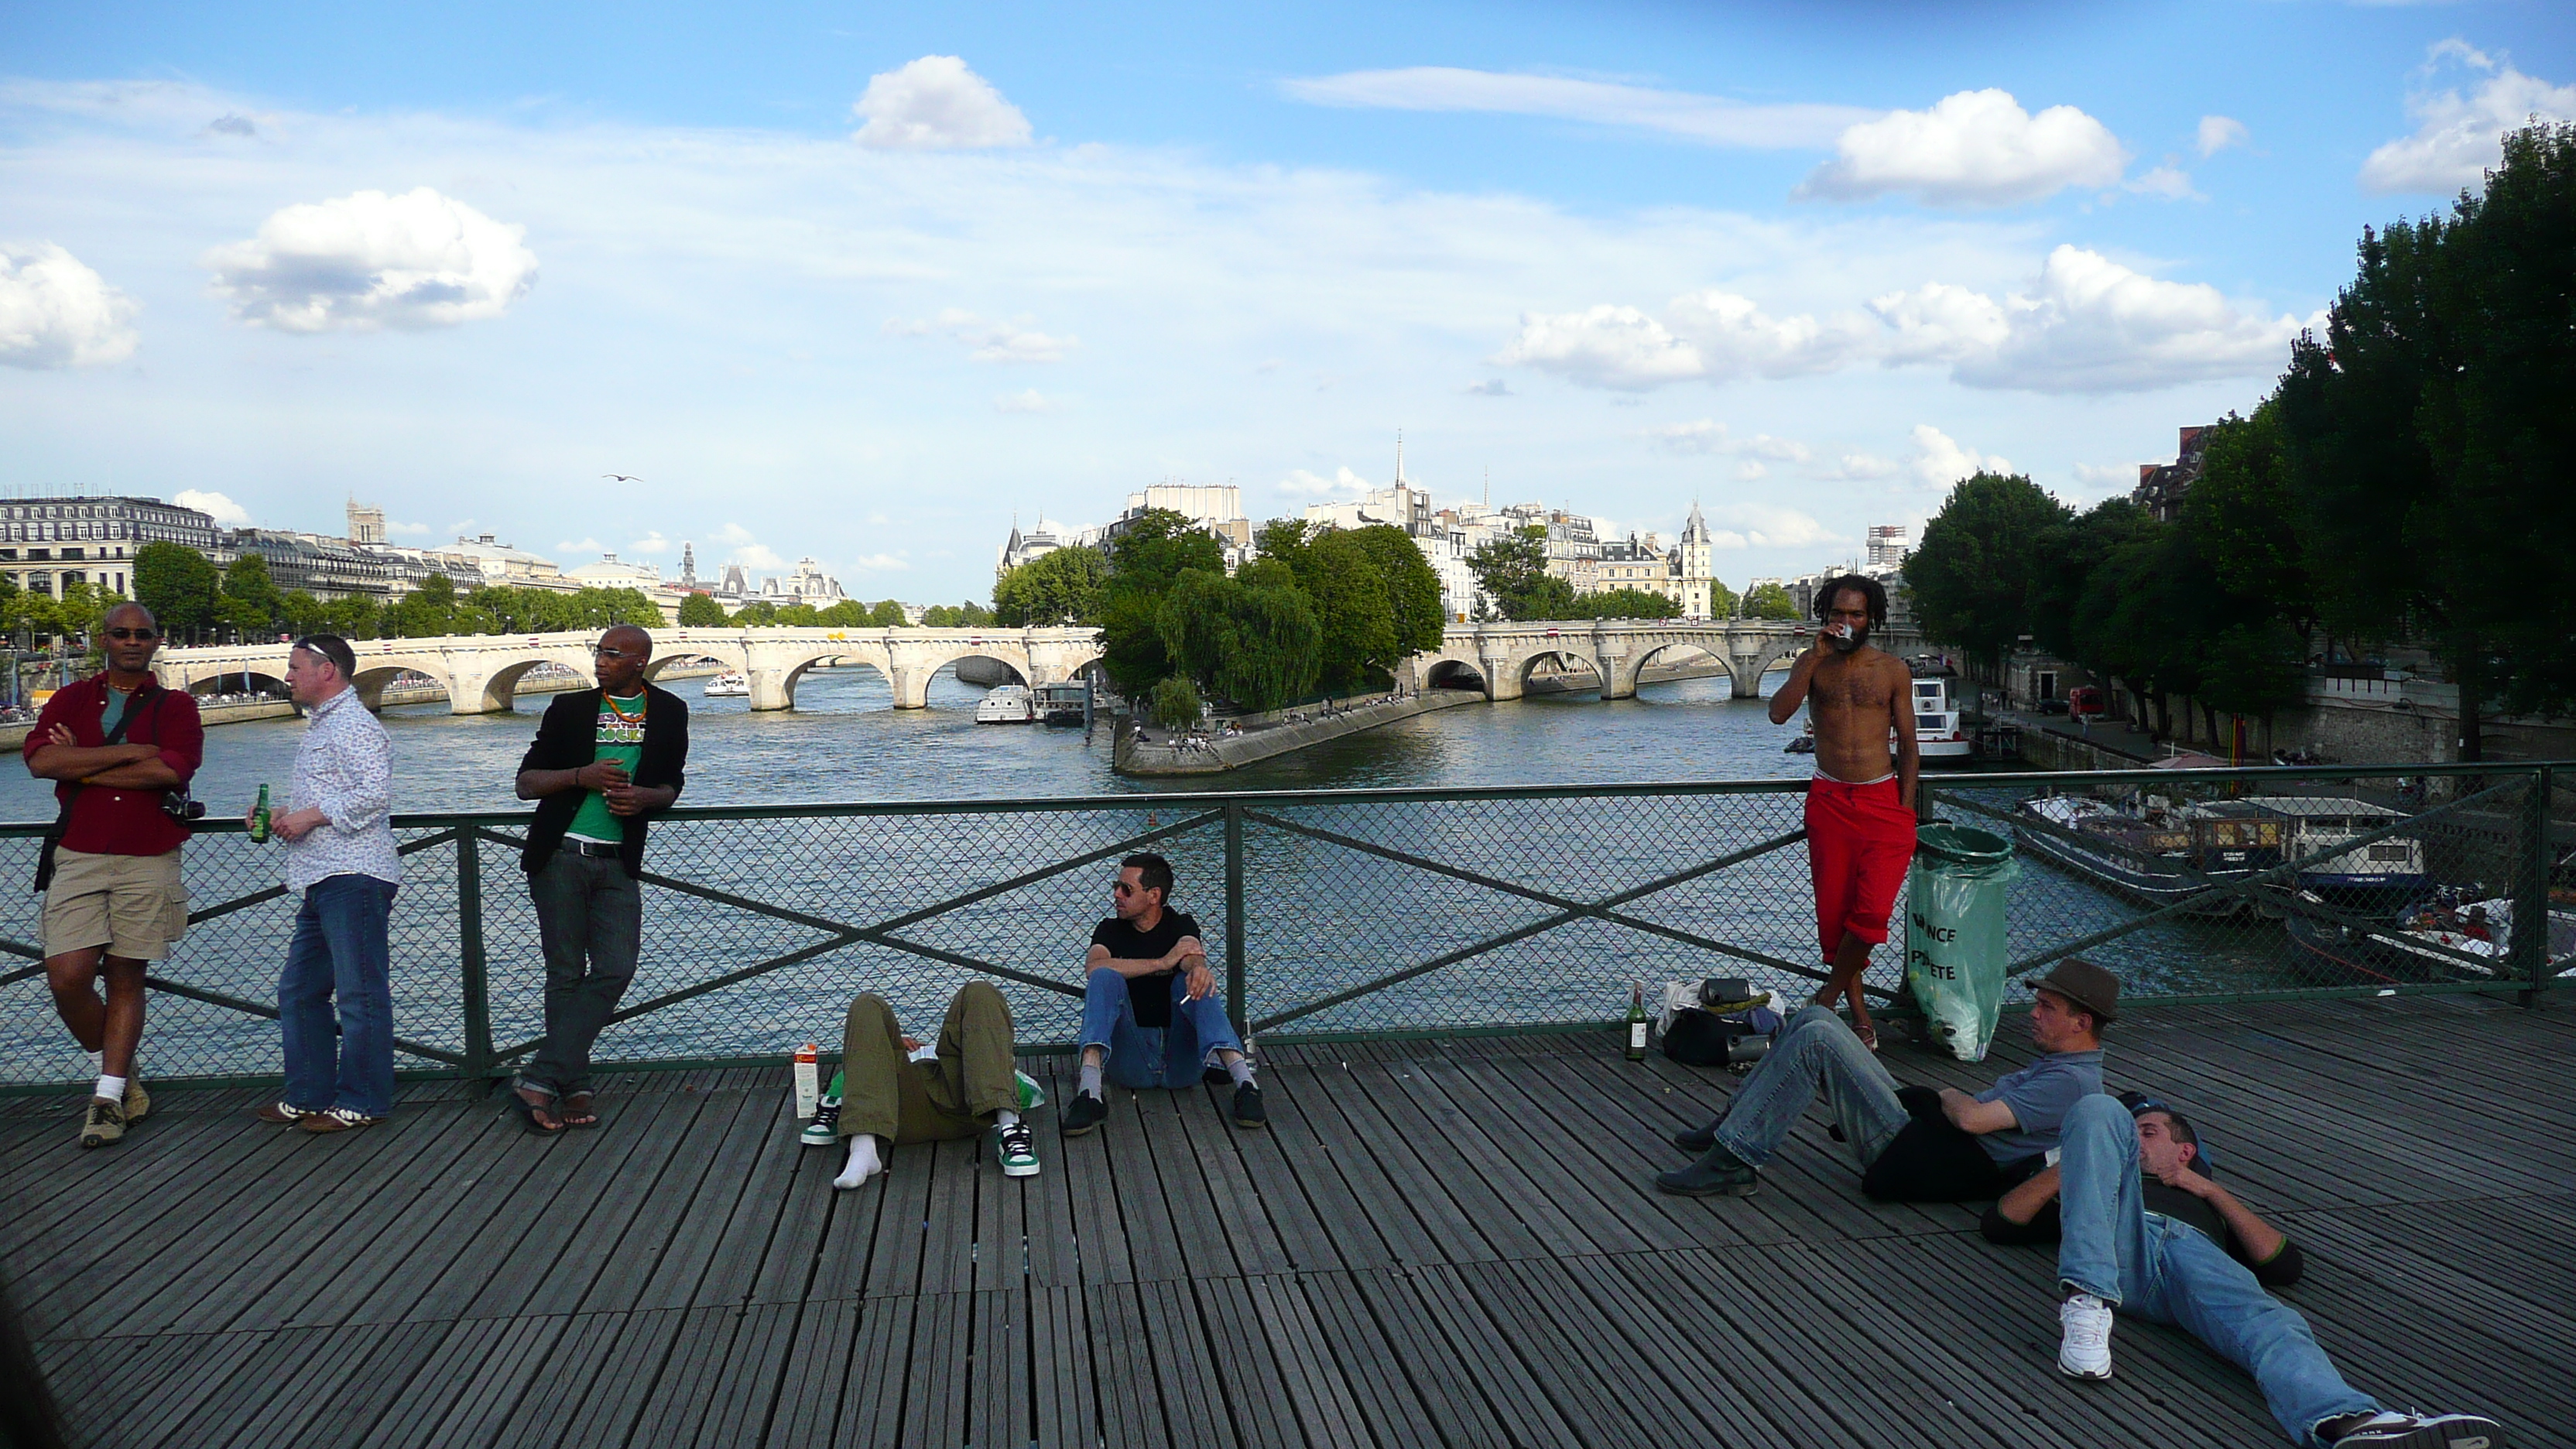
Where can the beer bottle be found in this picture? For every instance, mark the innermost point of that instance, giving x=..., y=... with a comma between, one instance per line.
x=259, y=816
x=1636, y=1023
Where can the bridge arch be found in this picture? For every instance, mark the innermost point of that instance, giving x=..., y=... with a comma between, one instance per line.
x=1454, y=674
x=231, y=679
x=1571, y=659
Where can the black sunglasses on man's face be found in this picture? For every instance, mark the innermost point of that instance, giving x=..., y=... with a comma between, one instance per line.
x=144, y=634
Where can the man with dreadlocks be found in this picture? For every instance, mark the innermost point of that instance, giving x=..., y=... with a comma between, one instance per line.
x=1860, y=805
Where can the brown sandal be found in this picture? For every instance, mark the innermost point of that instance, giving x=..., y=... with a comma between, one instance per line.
x=538, y=1117
x=577, y=1110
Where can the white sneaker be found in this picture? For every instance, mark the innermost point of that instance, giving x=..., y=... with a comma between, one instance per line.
x=2386, y=1430
x=2085, y=1350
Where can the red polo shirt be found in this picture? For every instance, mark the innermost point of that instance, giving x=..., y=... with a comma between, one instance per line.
x=109, y=821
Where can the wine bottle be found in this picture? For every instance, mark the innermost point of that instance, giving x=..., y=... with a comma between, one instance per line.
x=1637, y=1023
x=259, y=816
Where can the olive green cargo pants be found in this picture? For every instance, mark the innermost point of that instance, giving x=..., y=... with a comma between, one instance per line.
x=953, y=1095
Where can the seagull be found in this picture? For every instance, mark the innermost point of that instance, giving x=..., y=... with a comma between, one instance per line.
x=622, y=477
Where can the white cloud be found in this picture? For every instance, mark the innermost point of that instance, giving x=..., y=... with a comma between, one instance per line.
x=369, y=260
x=2217, y=133
x=215, y=506
x=1764, y=525
x=732, y=535
x=650, y=543
x=1939, y=461
x=1491, y=387
x=581, y=545
x=1748, y=471
x=1703, y=435
x=1975, y=148
x=879, y=562
x=1343, y=483
x=1779, y=450
x=1605, y=346
x=988, y=339
x=2098, y=475
x=2168, y=181
x=936, y=104
x=407, y=528
x=2087, y=325
x=757, y=556
x=1713, y=120
x=2458, y=137
x=1860, y=467
x=1028, y=400
x=55, y=312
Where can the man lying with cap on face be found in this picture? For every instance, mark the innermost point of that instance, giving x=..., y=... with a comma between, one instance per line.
x=1913, y=1144
x=2143, y=1228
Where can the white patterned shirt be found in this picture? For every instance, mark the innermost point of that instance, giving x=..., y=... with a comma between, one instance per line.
x=345, y=768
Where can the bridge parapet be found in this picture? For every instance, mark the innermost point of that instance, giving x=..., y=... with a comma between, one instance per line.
x=1618, y=650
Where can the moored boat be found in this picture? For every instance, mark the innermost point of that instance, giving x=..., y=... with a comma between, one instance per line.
x=1008, y=704
x=1059, y=704
x=2159, y=855
x=2380, y=875
x=1939, y=738
x=732, y=684
x=2444, y=938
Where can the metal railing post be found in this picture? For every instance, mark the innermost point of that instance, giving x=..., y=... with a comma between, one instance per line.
x=2531, y=892
x=1234, y=973
x=469, y=954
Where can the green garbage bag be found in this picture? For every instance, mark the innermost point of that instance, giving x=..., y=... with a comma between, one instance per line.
x=1954, y=933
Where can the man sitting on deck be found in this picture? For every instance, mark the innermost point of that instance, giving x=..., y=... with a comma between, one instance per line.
x=888, y=1099
x=1914, y=1145
x=2145, y=1230
x=1151, y=1013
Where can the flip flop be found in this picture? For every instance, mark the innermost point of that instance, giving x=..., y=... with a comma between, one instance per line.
x=577, y=1110
x=1867, y=1031
x=538, y=1119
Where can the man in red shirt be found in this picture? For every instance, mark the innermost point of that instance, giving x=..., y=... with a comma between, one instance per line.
x=116, y=745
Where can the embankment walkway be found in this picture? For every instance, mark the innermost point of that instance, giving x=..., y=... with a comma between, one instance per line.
x=1263, y=741
x=1437, y=1242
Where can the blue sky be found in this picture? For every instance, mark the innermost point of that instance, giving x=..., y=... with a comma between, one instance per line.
x=859, y=285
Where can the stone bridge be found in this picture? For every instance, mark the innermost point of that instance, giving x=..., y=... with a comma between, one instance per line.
x=481, y=672
x=1498, y=658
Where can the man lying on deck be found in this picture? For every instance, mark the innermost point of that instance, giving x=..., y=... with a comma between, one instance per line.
x=2144, y=1229
x=1913, y=1144
x=887, y=1099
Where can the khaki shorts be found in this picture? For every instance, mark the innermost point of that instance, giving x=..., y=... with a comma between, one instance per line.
x=134, y=905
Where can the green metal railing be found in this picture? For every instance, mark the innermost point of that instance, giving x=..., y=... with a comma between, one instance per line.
x=1333, y=913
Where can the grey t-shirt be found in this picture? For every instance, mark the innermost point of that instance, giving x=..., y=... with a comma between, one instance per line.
x=2040, y=1096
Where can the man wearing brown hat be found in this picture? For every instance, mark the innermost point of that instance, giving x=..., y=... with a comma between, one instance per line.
x=1913, y=1144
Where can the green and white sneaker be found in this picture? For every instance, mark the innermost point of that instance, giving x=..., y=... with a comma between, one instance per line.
x=1018, y=1149
x=825, y=1129
x=1032, y=1096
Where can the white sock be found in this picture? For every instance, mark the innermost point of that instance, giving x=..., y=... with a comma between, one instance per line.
x=1006, y=1118
x=1090, y=1086
x=1239, y=1067
x=863, y=1161
x=112, y=1088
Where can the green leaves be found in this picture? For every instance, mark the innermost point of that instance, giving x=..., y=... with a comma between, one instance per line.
x=1062, y=587
x=1982, y=560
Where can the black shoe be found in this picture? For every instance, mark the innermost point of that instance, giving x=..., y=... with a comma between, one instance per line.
x=1248, y=1111
x=1699, y=1139
x=1214, y=1076
x=1718, y=1173
x=1082, y=1114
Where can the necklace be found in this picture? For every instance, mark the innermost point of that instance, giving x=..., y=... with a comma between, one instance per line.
x=622, y=716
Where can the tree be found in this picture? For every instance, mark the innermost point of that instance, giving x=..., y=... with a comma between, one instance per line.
x=1160, y=542
x=799, y=615
x=845, y=614
x=1981, y=561
x=756, y=614
x=82, y=605
x=426, y=612
x=354, y=617
x=250, y=597
x=701, y=611
x=300, y=612
x=1062, y=587
x=1512, y=570
x=178, y=584
x=2243, y=514
x=1412, y=588
x=1254, y=641
x=1158, y=547
x=1769, y=601
x=887, y=615
x=972, y=615
x=1626, y=604
x=1174, y=704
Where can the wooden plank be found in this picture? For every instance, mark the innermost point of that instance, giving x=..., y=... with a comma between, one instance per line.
x=1131, y=1401
x=816, y=1371
x=633, y=1362
x=697, y=1235
x=1367, y=1219
x=1064, y=1395
x=948, y=1246
x=494, y=1385
x=872, y=1403
x=350, y=1393
x=341, y=1278
x=1462, y=1222
x=1197, y=1152
x=1526, y=1301
x=546, y=1261
x=1163, y=1242
x=1435, y=1308
x=1399, y=1390
x=1047, y=1215
x=1193, y=1389
x=439, y=1384
x=680, y=1401
x=934, y=1399
x=245, y=1393
x=998, y=1400
x=1315, y=1385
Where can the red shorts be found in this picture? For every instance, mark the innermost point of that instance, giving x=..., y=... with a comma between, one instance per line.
x=1859, y=841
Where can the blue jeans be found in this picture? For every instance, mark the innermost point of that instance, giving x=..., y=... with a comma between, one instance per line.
x=339, y=952
x=1137, y=1060
x=2148, y=1265
x=1815, y=1052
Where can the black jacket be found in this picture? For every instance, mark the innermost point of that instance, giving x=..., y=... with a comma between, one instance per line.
x=568, y=738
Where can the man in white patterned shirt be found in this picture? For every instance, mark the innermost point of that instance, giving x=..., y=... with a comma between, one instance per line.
x=340, y=856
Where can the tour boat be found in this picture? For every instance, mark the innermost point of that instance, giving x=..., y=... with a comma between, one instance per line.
x=731, y=684
x=1059, y=704
x=2381, y=875
x=1938, y=737
x=2426, y=940
x=1008, y=704
x=2159, y=855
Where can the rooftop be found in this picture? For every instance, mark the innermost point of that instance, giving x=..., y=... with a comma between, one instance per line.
x=1437, y=1242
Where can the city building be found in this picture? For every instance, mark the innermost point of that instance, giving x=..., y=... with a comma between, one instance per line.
x=1887, y=546
x=1694, y=568
x=366, y=524
x=1216, y=507
x=808, y=585
x=498, y=562
x=611, y=573
x=2162, y=485
x=46, y=543
x=329, y=568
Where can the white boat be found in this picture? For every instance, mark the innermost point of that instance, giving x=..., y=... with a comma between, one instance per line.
x=1007, y=705
x=732, y=684
x=1938, y=738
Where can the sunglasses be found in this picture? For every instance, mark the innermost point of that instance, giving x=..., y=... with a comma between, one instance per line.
x=605, y=652
x=145, y=634
x=1121, y=888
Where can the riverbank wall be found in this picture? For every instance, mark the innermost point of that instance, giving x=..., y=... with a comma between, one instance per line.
x=1269, y=741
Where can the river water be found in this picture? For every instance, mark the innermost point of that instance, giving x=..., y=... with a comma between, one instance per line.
x=1321, y=917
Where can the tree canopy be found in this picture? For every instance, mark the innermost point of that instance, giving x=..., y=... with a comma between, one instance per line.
x=1062, y=587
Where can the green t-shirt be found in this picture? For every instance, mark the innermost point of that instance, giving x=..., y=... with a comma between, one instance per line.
x=620, y=738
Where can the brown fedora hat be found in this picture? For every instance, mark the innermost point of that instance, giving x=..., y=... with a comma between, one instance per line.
x=2085, y=984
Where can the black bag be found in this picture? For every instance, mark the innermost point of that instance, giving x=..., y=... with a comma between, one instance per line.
x=1699, y=1038
x=62, y=826
x=1932, y=1159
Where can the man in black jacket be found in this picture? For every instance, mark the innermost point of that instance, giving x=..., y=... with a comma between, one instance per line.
x=604, y=761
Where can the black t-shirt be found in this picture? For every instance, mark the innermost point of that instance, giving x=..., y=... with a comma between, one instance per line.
x=2279, y=1271
x=1150, y=995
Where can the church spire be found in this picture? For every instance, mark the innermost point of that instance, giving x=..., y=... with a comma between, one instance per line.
x=1399, y=455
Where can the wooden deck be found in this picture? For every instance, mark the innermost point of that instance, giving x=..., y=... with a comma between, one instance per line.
x=1439, y=1243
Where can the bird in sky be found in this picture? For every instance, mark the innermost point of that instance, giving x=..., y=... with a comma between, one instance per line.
x=622, y=477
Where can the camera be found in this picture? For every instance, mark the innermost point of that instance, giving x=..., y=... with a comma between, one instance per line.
x=181, y=806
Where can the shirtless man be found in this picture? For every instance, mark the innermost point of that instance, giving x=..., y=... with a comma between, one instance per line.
x=1860, y=806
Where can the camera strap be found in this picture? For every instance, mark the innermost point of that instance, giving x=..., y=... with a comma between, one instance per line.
x=135, y=703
